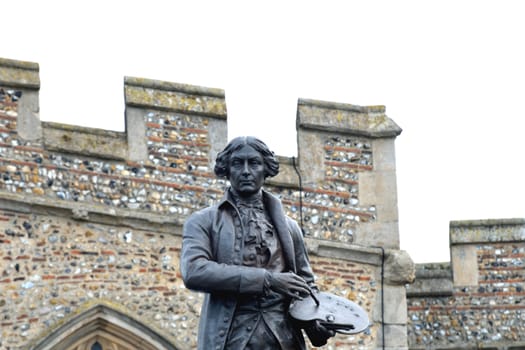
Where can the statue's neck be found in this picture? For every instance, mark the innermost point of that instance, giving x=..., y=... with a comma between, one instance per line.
x=247, y=200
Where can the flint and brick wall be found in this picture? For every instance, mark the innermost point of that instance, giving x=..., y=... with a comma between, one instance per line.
x=478, y=300
x=92, y=216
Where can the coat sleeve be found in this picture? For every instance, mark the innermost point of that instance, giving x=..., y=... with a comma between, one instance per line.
x=199, y=268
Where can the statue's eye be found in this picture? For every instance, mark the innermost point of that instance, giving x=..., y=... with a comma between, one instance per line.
x=236, y=163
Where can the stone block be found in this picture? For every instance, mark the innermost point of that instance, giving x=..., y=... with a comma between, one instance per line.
x=385, y=185
x=464, y=265
x=367, y=188
x=136, y=132
x=218, y=136
x=29, y=126
x=395, y=337
x=384, y=154
x=379, y=188
x=395, y=309
x=378, y=234
x=311, y=163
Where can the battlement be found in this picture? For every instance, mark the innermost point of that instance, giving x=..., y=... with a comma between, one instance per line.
x=478, y=296
x=174, y=131
x=113, y=204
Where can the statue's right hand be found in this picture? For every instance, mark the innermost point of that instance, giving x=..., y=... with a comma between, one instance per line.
x=288, y=283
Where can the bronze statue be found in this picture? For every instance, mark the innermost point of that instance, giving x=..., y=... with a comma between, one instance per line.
x=250, y=260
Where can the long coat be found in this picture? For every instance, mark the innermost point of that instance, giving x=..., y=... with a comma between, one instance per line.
x=210, y=264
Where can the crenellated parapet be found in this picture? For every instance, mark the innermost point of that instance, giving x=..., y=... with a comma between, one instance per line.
x=347, y=191
x=96, y=215
x=478, y=299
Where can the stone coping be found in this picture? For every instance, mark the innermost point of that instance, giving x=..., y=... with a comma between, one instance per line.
x=82, y=129
x=174, y=97
x=432, y=280
x=92, y=142
x=348, y=119
x=341, y=106
x=6, y=62
x=484, y=231
x=433, y=270
x=487, y=222
x=171, y=86
x=19, y=74
x=344, y=251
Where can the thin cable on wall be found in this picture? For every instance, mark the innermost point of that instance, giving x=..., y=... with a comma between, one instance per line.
x=300, y=193
x=382, y=296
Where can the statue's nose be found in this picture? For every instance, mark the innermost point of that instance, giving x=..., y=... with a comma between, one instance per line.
x=245, y=169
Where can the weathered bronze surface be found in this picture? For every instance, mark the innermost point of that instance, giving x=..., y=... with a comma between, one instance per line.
x=250, y=260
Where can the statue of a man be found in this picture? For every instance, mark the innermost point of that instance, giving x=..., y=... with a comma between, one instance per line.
x=249, y=258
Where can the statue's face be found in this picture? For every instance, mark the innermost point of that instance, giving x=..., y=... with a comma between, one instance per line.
x=246, y=171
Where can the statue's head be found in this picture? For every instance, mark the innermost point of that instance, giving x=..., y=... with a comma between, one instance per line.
x=246, y=161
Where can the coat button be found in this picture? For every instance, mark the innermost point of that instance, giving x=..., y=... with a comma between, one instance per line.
x=249, y=328
x=226, y=319
x=222, y=332
x=237, y=261
x=239, y=235
x=237, y=248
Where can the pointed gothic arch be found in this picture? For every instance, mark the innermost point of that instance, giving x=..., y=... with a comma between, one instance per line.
x=105, y=328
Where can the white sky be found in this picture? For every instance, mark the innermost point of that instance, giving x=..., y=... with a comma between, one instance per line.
x=450, y=73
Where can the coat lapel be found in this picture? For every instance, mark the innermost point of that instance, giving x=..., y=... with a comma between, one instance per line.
x=275, y=209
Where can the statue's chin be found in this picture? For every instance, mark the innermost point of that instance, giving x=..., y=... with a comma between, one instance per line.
x=246, y=192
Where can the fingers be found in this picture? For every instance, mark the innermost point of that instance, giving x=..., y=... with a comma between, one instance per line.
x=293, y=295
x=296, y=285
x=289, y=284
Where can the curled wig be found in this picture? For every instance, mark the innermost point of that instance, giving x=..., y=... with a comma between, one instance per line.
x=222, y=163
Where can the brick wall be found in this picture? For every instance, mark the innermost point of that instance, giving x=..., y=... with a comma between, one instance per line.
x=478, y=300
x=92, y=216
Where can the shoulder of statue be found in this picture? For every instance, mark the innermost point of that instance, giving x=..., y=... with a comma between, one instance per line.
x=270, y=199
x=204, y=212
